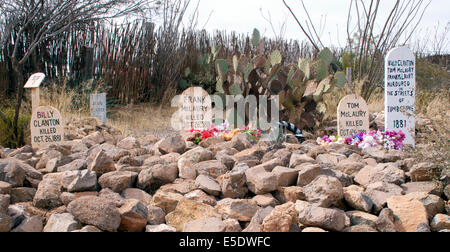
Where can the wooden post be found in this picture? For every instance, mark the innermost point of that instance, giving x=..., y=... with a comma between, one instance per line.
x=88, y=63
x=349, y=76
x=350, y=88
x=35, y=99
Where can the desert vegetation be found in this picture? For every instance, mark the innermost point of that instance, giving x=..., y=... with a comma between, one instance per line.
x=144, y=53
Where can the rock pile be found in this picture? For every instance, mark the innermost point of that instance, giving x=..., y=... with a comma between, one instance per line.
x=101, y=181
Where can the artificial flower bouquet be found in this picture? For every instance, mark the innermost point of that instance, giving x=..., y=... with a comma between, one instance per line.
x=390, y=140
x=224, y=131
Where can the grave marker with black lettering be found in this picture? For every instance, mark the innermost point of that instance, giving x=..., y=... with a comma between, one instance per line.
x=98, y=106
x=400, y=83
x=46, y=127
x=196, y=109
x=353, y=116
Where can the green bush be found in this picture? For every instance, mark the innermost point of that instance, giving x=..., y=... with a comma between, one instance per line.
x=7, y=136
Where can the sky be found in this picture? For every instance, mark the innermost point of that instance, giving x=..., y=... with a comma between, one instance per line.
x=330, y=17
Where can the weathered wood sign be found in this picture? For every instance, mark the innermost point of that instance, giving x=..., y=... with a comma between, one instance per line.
x=353, y=116
x=400, y=83
x=46, y=127
x=98, y=106
x=196, y=109
x=33, y=83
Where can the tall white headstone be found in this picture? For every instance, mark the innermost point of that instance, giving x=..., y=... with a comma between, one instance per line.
x=400, y=83
x=98, y=106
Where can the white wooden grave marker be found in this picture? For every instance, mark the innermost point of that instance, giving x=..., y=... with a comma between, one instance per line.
x=46, y=127
x=400, y=83
x=33, y=83
x=353, y=116
x=196, y=109
x=98, y=106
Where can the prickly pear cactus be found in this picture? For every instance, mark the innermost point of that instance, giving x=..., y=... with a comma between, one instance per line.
x=300, y=87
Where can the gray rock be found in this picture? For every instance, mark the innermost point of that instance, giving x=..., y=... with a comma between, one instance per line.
x=208, y=184
x=440, y=222
x=271, y=164
x=386, y=222
x=5, y=200
x=424, y=172
x=47, y=156
x=232, y=226
x=102, y=163
x=382, y=156
x=128, y=143
x=362, y=218
x=88, y=229
x=358, y=200
x=429, y=187
x=324, y=191
x=423, y=228
x=360, y=229
x=112, y=196
x=328, y=219
x=171, y=158
x=145, y=179
x=12, y=172
x=313, y=230
x=187, y=161
x=156, y=216
x=66, y=198
x=228, y=160
x=172, y=144
x=6, y=223
x=300, y=159
x=239, y=209
x=211, y=168
x=164, y=174
x=79, y=181
x=22, y=194
x=328, y=159
x=433, y=204
x=163, y=228
x=241, y=142
x=233, y=184
x=61, y=223
x=214, y=225
x=259, y=181
x=380, y=192
x=307, y=173
x=118, y=181
x=51, y=166
x=134, y=193
x=32, y=224
x=381, y=173
x=350, y=167
x=134, y=216
x=290, y=194
x=5, y=188
x=76, y=165
x=48, y=192
x=167, y=201
x=96, y=211
x=258, y=219
x=285, y=176
x=202, y=197
x=17, y=213
x=266, y=200
x=332, y=171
